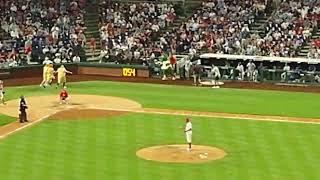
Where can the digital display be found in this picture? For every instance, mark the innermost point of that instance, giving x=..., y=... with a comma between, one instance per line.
x=129, y=72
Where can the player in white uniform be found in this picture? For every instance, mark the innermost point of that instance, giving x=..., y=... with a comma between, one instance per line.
x=188, y=132
x=2, y=92
x=240, y=69
x=216, y=75
x=250, y=70
x=285, y=73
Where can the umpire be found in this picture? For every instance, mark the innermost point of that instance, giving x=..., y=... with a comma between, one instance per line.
x=23, y=107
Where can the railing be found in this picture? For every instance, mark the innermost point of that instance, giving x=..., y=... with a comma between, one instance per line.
x=259, y=58
x=268, y=69
x=265, y=75
x=146, y=1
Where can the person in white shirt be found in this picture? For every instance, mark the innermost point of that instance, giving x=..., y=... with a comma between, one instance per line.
x=55, y=32
x=188, y=132
x=286, y=70
x=240, y=69
x=103, y=53
x=47, y=61
x=216, y=75
x=76, y=59
x=155, y=27
x=187, y=68
x=250, y=70
x=13, y=8
x=57, y=59
x=192, y=51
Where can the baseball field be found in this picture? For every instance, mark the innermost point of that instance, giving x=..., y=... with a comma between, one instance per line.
x=120, y=131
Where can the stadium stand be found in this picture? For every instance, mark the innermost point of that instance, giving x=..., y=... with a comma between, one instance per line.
x=130, y=31
x=32, y=30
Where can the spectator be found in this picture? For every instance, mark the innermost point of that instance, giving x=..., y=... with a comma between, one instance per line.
x=47, y=61
x=76, y=58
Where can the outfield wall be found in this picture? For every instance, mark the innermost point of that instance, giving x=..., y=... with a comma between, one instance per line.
x=112, y=70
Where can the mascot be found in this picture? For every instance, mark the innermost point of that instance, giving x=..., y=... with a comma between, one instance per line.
x=166, y=68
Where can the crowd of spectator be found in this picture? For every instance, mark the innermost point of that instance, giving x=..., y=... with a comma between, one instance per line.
x=219, y=26
x=137, y=32
x=289, y=28
x=35, y=29
x=131, y=32
x=223, y=26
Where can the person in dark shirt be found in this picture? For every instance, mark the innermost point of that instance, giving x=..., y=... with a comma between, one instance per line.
x=22, y=109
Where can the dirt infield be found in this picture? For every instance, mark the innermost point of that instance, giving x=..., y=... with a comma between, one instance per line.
x=178, y=154
x=81, y=114
x=41, y=108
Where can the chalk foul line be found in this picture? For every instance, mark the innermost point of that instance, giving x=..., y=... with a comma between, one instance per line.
x=184, y=113
x=217, y=115
x=26, y=125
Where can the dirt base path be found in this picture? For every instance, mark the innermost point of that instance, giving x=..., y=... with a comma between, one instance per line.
x=42, y=107
x=179, y=154
x=92, y=106
x=83, y=114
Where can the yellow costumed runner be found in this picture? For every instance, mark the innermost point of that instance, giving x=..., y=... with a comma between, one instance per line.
x=44, y=75
x=50, y=75
x=62, y=76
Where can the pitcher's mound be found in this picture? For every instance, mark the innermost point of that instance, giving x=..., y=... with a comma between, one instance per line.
x=179, y=154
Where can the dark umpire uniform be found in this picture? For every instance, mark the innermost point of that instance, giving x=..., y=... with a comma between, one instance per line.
x=22, y=109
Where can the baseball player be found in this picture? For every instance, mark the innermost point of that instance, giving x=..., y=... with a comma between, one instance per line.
x=2, y=92
x=216, y=74
x=241, y=71
x=250, y=70
x=285, y=73
x=63, y=96
x=44, y=75
x=62, y=73
x=188, y=132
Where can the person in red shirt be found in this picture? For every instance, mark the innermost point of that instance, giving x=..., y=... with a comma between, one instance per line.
x=64, y=96
x=173, y=62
